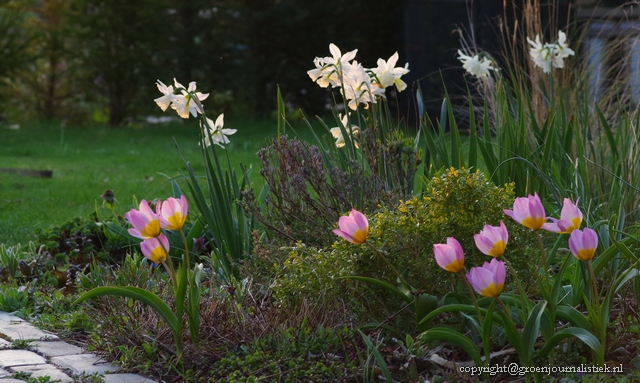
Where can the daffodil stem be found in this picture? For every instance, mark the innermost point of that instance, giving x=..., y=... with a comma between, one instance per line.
x=388, y=263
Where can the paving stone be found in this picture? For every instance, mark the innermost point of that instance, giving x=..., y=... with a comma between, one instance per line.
x=10, y=358
x=9, y=380
x=87, y=363
x=4, y=344
x=4, y=373
x=15, y=328
x=50, y=349
x=44, y=370
x=127, y=378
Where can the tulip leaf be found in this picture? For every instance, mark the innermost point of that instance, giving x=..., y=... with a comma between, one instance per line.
x=121, y=231
x=425, y=303
x=387, y=286
x=530, y=332
x=455, y=308
x=486, y=332
x=378, y=357
x=443, y=334
x=585, y=336
x=572, y=316
x=138, y=294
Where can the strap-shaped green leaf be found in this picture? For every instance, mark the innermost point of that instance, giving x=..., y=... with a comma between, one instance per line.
x=444, y=334
x=572, y=316
x=138, y=294
x=530, y=332
x=585, y=336
x=387, y=286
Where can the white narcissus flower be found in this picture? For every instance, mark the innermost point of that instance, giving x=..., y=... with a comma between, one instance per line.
x=328, y=69
x=542, y=55
x=337, y=132
x=388, y=75
x=167, y=95
x=214, y=133
x=358, y=87
x=184, y=103
x=562, y=51
x=549, y=56
x=474, y=65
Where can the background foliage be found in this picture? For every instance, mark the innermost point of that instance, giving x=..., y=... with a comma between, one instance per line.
x=83, y=60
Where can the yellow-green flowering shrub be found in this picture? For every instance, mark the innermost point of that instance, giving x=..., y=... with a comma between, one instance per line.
x=457, y=204
x=314, y=274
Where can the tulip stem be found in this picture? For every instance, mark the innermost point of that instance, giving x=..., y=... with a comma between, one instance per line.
x=543, y=257
x=169, y=271
x=520, y=289
x=187, y=263
x=595, y=297
x=473, y=297
x=388, y=263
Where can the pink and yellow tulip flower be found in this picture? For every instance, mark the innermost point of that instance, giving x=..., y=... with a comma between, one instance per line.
x=449, y=256
x=488, y=279
x=354, y=228
x=529, y=212
x=155, y=249
x=144, y=221
x=172, y=213
x=570, y=219
x=583, y=243
x=492, y=240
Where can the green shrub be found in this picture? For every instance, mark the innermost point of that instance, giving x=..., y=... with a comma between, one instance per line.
x=457, y=204
x=309, y=272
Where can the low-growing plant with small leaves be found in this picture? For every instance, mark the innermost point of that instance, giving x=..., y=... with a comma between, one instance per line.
x=293, y=355
x=311, y=273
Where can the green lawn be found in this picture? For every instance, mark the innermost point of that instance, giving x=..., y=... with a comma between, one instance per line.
x=85, y=161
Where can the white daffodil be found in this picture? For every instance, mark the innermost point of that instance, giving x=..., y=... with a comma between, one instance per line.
x=549, y=56
x=542, y=55
x=474, y=65
x=388, y=75
x=214, y=132
x=184, y=103
x=329, y=69
x=358, y=87
x=562, y=51
x=337, y=131
x=167, y=95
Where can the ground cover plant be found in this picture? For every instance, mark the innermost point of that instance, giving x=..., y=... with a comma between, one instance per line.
x=373, y=253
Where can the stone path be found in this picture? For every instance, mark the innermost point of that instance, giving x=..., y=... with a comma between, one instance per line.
x=50, y=357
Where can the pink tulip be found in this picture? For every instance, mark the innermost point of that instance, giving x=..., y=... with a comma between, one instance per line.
x=155, y=249
x=353, y=228
x=492, y=240
x=528, y=212
x=144, y=221
x=449, y=256
x=570, y=219
x=488, y=280
x=583, y=243
x=172, y=213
